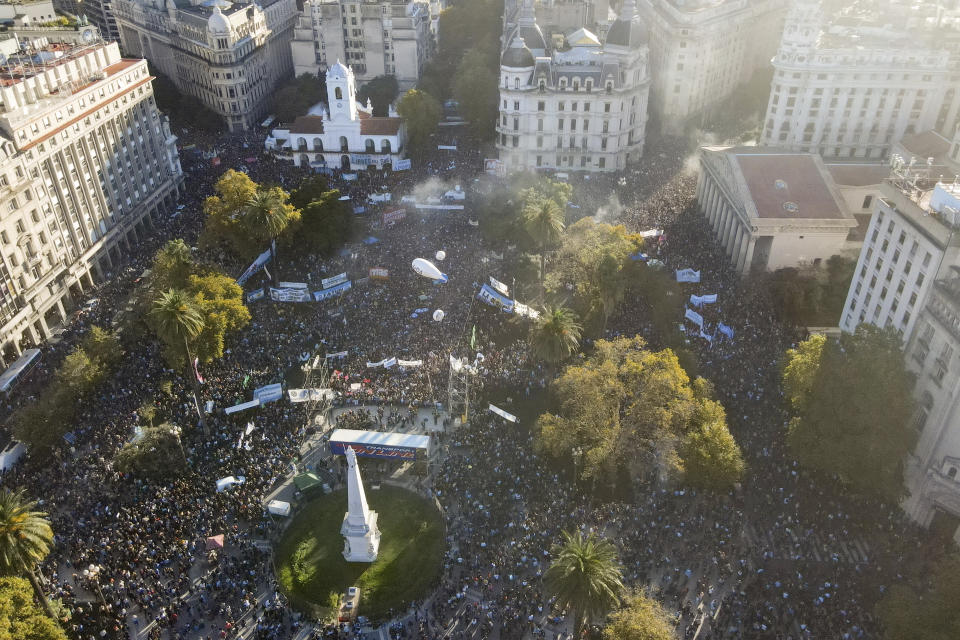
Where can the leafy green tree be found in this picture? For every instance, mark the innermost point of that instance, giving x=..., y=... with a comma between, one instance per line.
x=296, y=97
x=851, y=419
x=555, y=335
x=629, y=409
x=220, y=301
x=930, y=611
x=475, y=90
x=103, y=347
x=584, y=576
x=421, y=114
x=641, y=618
x=157, y=455
x=326, y=222
x=381, y=91
x=178, y=321
x=801, y=367
x=25, y=540
x=79, y=373
x=711, y=458
x=543, y=220
x=172, y=265
x=594, y=258
x=20, y=618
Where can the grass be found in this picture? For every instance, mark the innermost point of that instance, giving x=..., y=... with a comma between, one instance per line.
x=311, y=570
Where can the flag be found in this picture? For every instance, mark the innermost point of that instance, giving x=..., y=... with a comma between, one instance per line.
x=473, y=338
x=196, y=370
x=246, y=380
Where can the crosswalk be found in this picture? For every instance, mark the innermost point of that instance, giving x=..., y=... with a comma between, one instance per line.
x=811, y=546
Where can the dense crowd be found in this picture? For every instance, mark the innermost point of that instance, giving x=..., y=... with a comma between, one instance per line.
x=783, y=557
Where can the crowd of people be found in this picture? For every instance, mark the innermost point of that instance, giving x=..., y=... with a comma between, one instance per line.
x=783, y=557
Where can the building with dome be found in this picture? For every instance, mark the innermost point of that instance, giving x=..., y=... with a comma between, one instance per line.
x=582, y=107
x=230, y=55
x=341, y=134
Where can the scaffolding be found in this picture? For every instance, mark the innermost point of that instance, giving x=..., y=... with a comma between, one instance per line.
x=317, y=376
x=458, y=389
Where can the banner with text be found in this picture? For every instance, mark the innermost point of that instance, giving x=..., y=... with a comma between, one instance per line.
x=326, y=294
x=688, y=275
x=340, y=278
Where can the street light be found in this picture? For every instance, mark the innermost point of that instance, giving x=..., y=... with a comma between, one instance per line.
x=175, y=431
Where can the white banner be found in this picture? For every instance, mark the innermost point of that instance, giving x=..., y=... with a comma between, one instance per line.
x=401, y=165
x=410, y=363
x=503, y=414
x=338, y=354
x=268, y=393
x=292, y=285
x=380, y=197
x=340, y=278
x=379, y=272
x=289, y=295
x=253, y=268
x=651, y=233
x=499, y=286
x=523, y=310
x=306, y=395
x=688, y=275
x=694, y=317
x=447, y=147
x=242, y=406
x=257, y=294
x=702, y=300
x=456, y=363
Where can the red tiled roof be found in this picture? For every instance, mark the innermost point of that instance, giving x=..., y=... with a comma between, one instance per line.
x=307, y=124
x=787, y=185
x=380, y=126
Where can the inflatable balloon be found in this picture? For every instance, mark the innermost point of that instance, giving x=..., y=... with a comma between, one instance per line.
x=441, y=255
x=428, y=270
x=438, y=315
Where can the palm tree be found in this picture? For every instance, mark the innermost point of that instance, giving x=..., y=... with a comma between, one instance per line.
x=266, y=215
x=177, y=320
x=555, y=335
x=584, y=577
x=543, y=220
x=25, y=539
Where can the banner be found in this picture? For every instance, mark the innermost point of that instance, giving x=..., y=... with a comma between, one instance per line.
x=292, y=285
x=401, y=165
x=389, y=362
x=374, y=450
x=289, y=295
x=326, y=283
x=268, y=393
x=331, y=292
x=499, y=286
x=494, y=167
x=374, y=365
x=307, y=395
x=338, y=354
x=451, y=207
x=503, y=414
x=257, y=294
x=410, y=363
x=694, y=317
x=725, y=330
x=349, y=177
x=394, y=215
x=702, y=300
x=523, y=310
x=456, y=363
x=688, y=275
x=242, y=406
x=379, y=272
x=196, y=370
x=651, y=233
x=380, y=197
x=358, y=209
x=639, y=256
x=446, y=147
x=706, y=336
x=261, y=260
x=494, y=298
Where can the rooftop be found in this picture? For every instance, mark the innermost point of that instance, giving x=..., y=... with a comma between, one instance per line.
x=35, y=61
x=858, y=174
x=787, y=185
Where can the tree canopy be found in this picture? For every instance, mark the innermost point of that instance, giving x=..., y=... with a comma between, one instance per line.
x=421, y=113
x=245, y=215
x=555, y=335
x=627, y=408
x=852, y=404
x=641, y=618
x=155, y=455
x=20, y=617
x=25, y=540
x=326, y=222
x=296, y=97
x=584, y=576
x=929, y=611
x=381, y=91
x=475, y=90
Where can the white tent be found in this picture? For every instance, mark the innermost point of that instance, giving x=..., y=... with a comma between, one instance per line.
x=229, y=481
x=278, y=507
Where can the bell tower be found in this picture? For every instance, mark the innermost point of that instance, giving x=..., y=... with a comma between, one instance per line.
x=341, y=93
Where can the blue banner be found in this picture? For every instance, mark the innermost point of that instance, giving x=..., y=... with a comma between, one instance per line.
x=495, y=299
x=318, y=296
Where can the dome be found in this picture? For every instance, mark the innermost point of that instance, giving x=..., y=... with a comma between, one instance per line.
x=627, y=31
x=337, y=71
x=217, y=22
x=533, y=36
x=517, y=55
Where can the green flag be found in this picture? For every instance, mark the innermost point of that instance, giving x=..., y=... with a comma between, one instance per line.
x=246, y=379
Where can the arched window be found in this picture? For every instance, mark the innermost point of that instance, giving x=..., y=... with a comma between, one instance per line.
x=302, y=144
x=343, y=143
x=369, y=146
x=338, y=93
x=317, y=144
x=304, y=160
x=516, y=83
x=385, y=147
x=952, y=473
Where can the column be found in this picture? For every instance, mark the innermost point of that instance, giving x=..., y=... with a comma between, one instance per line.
x=736, y=246
x=748, y=254
x=34, y=338
x=733, y=242
x=714, y=212
x=97, y=269
x=61, y=310
x=718, y=218
x=90, y=282
x=728, y=228
x=44, y=329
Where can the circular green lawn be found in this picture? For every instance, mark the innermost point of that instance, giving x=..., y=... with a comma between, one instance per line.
x=312, y=572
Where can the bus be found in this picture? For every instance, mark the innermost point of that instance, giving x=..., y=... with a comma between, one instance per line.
x=19, y=370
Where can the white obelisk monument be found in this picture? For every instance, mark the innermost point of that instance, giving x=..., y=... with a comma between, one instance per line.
x=359, y=529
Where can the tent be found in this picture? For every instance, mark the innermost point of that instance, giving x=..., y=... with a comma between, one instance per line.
x=215, y=542
x=229, y=481
x=307, y=481
x=278, y=508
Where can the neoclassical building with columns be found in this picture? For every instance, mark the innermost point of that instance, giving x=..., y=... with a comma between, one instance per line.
x=770, y=209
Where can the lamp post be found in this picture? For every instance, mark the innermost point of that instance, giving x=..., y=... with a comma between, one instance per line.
x=175, y=431
x=92, y=574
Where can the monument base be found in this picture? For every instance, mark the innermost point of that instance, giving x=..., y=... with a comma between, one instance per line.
x=361, y=543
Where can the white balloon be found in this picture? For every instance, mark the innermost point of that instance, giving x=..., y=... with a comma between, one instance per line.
x=441, y=255
x=428, y=270
x=438, y=315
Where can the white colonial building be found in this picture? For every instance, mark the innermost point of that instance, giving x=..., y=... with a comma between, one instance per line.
x=86, y=165
x=852, y=84
x=771, y=209
x=341, y=134
x=373, y=37
x=580, y=109
x=702, y=50
x=229, y=55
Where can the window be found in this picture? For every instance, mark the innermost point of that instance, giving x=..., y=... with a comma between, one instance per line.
x=516, y=105
x=541, y=106
x=602, y=163
x=867, y=201
x=606, y=107
x=338, y=93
